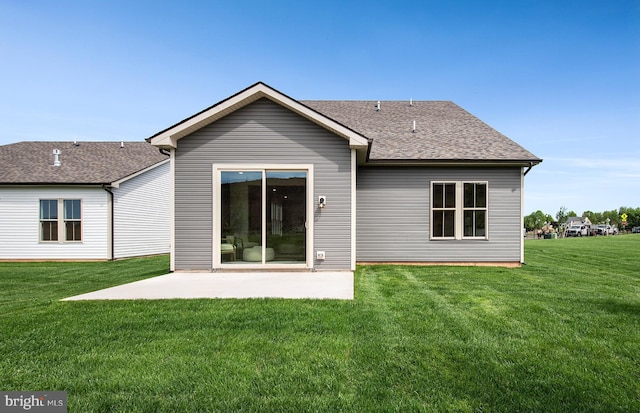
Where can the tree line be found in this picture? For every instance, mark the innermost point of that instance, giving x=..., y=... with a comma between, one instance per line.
x=538, y=219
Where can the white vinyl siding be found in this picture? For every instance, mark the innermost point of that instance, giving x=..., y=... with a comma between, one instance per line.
x=142, y=214
x=20, y=226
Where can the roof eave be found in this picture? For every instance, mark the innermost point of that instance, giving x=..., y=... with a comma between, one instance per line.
x=455, y=162
x=55, y=183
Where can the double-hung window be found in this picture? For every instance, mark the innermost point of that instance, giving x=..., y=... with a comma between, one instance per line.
x=60, y=220
x=459, y=210
x=443, y=210
x=475, y=210
x=48, y=220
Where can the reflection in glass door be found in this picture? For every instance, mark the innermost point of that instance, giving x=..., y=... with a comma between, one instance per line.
x=263, y=217
x=286, y=202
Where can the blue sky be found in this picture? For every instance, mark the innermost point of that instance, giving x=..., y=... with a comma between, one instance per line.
x=561, y=78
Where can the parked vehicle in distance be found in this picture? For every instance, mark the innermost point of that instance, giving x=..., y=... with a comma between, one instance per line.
x=606, y=230
x=576, y=231
x=635, y=230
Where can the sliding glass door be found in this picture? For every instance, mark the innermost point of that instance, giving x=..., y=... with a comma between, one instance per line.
x=263, y=217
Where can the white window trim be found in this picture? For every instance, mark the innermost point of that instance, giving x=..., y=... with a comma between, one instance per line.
x=458, y=211
x=485, y=209
x=62, y=228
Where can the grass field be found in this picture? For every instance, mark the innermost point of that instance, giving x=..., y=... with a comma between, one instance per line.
x=560, y=334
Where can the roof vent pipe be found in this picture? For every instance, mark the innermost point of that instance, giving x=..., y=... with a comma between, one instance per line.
x=56, y=157
x=378, y=106
x=75, y=143
x=414, y=127
x=122, y=144
x=410, y=101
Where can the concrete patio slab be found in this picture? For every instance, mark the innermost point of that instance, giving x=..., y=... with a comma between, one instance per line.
x=314, y=285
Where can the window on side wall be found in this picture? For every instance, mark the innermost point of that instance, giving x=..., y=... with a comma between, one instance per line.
x=48, y=220
x=60, y=220
x=459, y=210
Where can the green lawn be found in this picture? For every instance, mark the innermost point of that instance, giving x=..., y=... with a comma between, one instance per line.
x=562, y=333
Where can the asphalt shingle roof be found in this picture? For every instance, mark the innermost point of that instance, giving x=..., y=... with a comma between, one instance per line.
x=84, y=163
x=444, y=131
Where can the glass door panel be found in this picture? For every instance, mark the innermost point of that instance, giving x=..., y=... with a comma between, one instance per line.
x=241, y=216
x=286, y=203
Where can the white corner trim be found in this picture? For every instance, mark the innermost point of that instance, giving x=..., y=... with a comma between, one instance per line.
x=354, y=166
x=521, y=215
x=172, y=209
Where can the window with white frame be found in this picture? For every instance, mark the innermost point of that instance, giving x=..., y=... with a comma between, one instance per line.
x=443, y=210
x=48, y=220
x=459, y=210
x=60, y=220
x=475, y=210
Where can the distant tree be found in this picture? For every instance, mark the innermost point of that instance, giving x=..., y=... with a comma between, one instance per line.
x=633, y=216
x=562, y=214
x=536, y=220
x=594, y=217
x=529, y=222
x=612, y=217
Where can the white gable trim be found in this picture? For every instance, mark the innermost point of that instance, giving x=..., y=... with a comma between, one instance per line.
x=169, y=138
x=117, y=183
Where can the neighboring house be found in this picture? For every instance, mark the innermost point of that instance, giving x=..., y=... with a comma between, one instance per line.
x=263, y=181
x=90, y=201
x=577, y=221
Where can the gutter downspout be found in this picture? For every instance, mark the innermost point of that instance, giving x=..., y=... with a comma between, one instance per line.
x=528, y=169
x=111, y=246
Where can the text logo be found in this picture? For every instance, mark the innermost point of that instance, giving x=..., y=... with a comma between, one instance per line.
x=33, y=401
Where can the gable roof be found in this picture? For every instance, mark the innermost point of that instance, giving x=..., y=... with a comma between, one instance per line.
x=93, y=163
x=169, y=137
x=444, y=132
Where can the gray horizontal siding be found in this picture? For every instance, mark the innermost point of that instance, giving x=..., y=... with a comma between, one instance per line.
x=262, y=132
x=393, y=216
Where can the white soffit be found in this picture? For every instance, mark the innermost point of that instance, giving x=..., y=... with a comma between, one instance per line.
x=170, y=137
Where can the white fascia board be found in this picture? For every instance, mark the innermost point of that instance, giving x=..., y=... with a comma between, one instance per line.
x=170, y=137
x=117, y=183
